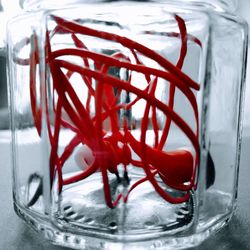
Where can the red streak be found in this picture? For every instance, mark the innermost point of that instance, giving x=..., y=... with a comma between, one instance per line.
x=126, y=42
x=114, y=146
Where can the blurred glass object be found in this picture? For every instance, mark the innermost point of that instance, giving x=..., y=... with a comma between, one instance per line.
x=3, y=85
x=7, y=10
x=244, y=10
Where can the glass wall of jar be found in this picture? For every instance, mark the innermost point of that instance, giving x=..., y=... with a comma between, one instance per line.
x=126, y=116
x=243, y=9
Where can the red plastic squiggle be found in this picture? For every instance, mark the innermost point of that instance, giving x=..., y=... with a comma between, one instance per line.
x=116, y=145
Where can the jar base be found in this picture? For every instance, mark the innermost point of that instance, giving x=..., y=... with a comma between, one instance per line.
x=81, y=208
x=57, y=236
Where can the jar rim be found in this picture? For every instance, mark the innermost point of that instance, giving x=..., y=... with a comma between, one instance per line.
x=228, y=5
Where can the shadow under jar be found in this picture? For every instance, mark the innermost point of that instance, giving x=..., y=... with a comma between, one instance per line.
x=126, y=116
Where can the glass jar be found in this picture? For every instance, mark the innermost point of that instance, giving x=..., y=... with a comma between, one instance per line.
x=126, y=116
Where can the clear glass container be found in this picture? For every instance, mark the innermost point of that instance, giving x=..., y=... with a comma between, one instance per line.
x=126, y=116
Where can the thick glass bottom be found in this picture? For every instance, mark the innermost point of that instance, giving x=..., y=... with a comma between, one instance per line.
x=43, y=226
x=81, y=207
x=81, y=219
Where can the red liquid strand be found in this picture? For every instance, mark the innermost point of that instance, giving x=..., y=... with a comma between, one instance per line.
x=110, y=139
